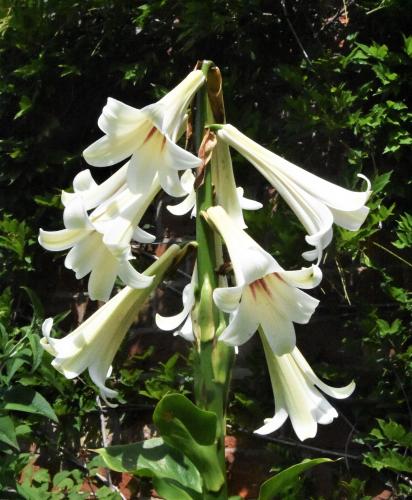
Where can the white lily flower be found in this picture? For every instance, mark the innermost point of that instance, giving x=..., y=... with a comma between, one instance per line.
x=181, y=322
x=316, y=202
x=295, y=389
x=94, y=343
x=100, y=242
x=93, y=194
x=230, y=197
x=265, y=294
x=148, y=137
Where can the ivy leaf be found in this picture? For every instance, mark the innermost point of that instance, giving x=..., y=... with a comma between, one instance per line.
x=191, y=430
x=153, y=458
x=277, y=485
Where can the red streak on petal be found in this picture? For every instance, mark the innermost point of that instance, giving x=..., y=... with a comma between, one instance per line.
x=265, y=287
x=276, y=275
x=260, y=283
x=252, y=287
x=163, y=143
x=152, y=131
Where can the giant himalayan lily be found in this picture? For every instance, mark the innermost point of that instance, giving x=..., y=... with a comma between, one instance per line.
x=265, y=294
x=227, y=194
x=148, y=137
x=316, y=202
x=100, y=242
x=295, y=388
x=93, y=345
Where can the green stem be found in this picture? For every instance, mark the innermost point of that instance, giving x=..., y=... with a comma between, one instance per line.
x=392, y=253
x=213, y=359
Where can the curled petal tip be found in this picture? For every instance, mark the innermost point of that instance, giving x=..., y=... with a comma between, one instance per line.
x=368, y=183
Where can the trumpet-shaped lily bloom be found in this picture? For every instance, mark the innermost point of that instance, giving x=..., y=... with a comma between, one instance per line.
x=296, y=392
x=93, y=345
x=181, y=322
x=148, y=137
x=228, y=195
x=93, y=194
x=234, y=204
x=100, y=242
x=265, y=294
x=316, y=202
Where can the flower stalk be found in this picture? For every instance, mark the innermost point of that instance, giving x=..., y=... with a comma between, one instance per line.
x=213, y=359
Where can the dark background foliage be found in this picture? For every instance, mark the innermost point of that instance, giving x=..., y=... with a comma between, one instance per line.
x=324, y=84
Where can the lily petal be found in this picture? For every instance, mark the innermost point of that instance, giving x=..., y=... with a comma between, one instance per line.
x=169, y=113
x=184, y=317
x=242, y=326
x=120, y=119
x=142, y=236
x=101, y=283
x=249, y=260
x=75, y=215
x=227, y=299
x=81, y=258
x=184, y=206
x=334, y=392
x=94, y=194
x=62, y=239
x=247, y=203
x=172, y=322
x=128, y=274
x=109, y=150
x=306, y=277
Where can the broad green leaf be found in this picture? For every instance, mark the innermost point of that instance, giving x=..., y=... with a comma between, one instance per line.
x=173, y=490
x=24, y=399
x=191, y=430
x=153, y=458
x=275, y=486
x=8, y=432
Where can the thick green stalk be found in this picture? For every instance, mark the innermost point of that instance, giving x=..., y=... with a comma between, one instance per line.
x=213, y=359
